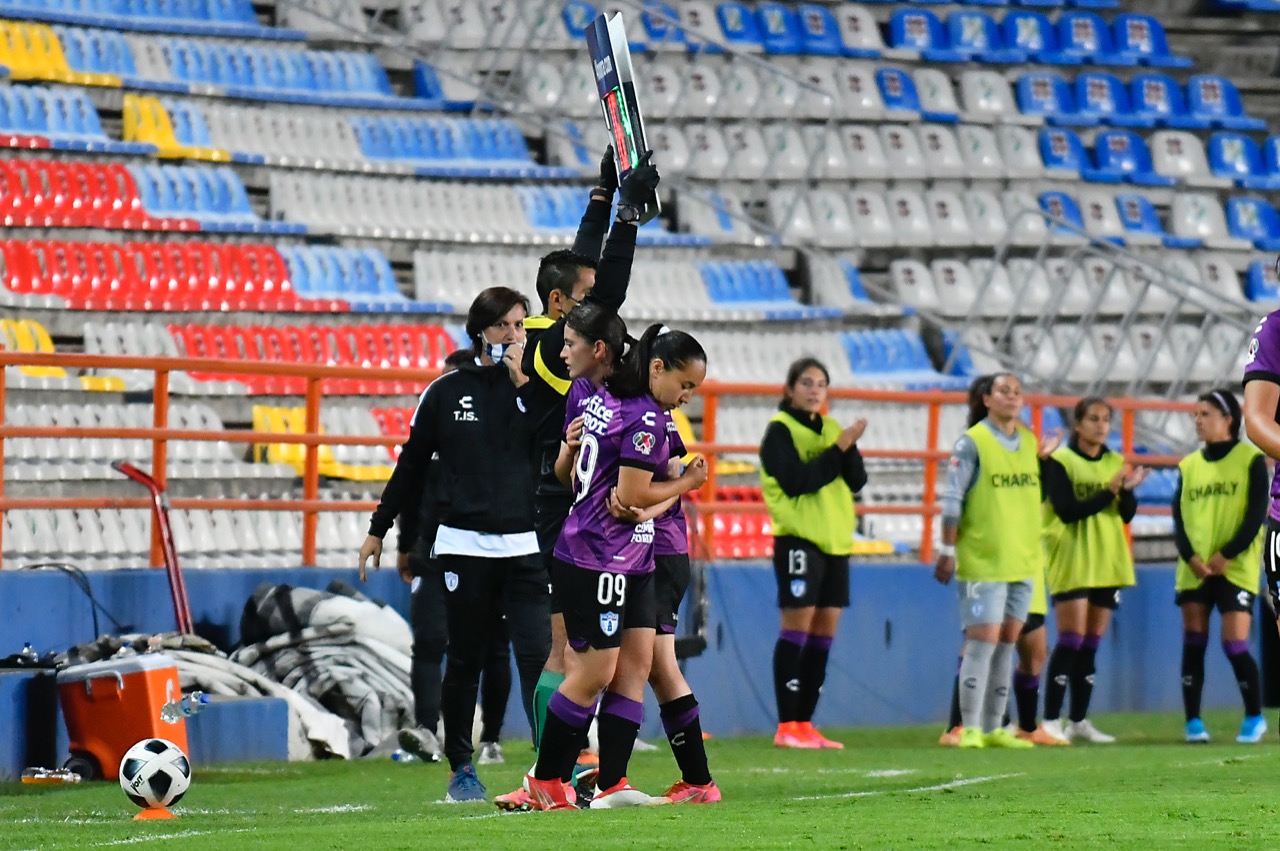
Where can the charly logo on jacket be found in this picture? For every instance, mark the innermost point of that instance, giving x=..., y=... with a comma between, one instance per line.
x=609, y=622
x=643, y=442
x=450, y=580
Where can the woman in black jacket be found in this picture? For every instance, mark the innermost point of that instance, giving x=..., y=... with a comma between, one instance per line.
x=481, y=503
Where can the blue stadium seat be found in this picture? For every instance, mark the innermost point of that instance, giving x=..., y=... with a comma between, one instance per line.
x=1160, y=99
x=1236, y=156
x=1062, y=150
x=427, y=89
x=1087, y=35
x=1261, y=283
x=920, y=29
x=1271, y=157
x=660, y=21
x=1047, y=94
x=898, y=90
x=1062, y=207
x=820, y=30
x=1125, y=152
x=1256, y=220
x=1138, y=215
x=780, y=29
x=739, y=26
x=1143, y=38
x=577, y=15
x=854, y=277
x=1216, y=100
x=956, y=353
x=1106, y=100
x=1035, y=34
x=1093, y=4
x=976, y=34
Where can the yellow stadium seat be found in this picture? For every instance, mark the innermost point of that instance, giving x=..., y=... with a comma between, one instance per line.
x=33, y=52
x=293, y=421
x=146, y=120
x=27, y=335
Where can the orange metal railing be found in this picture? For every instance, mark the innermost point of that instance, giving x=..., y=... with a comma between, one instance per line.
x=311, y=505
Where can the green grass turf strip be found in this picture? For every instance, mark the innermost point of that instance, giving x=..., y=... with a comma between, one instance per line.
x=890, y=788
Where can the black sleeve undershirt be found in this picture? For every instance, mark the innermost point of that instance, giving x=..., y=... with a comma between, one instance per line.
x=1062, y=496
x=1180, y=539
x=779, y=458
x=1255, y=513
x=404, y=488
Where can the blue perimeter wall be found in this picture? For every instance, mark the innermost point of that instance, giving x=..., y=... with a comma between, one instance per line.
x=892, y=663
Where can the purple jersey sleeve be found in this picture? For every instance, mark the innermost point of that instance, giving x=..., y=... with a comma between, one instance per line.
x=671, y=533
x=1263, y=361
x=575, y=400
x=644, y=435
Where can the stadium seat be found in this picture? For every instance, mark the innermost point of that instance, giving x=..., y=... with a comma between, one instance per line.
x=1064, y=212
x=954, y=285
x=1143, y=38
x=1215, y=100
x=898, y=91
x=1123, y=152
x=859, y=34
x=1104, y=99
x=1142, y=223
x=1087, y=36
x=1063, y=152
x=1180, y=155
x=902, y=152
x=739, y=27
x=819, y=31
x=993, y=290
x=913, y=284
x=702, y=30
x=987, y=97
x=1098, y=212
x=980, y=152
x=919, y=29
x=1158, y=98
x=1026, y=224
x=702, y=90
x=1256, y=220
x=780, y=29
x=1261, y=283
x=941, y=151
x=1199, y=217
x=975, y=35
x=867, y=157
x=1218, y=274
x=910, y=218
x=1019, y=150
x=937, y=98
x=1236, y=157
x=871, y=220
x=987, y=218
x=790, y=214
x=1033, y=33
x=1048, y=95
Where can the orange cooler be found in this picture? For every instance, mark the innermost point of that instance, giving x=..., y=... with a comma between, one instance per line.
x=110, y=706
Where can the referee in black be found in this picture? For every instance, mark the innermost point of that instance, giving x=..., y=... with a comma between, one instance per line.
x=566, y=279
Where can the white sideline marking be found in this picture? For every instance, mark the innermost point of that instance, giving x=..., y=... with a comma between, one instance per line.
x=953, y=784
x=182, y=834
x=499, y=814
x=887, y=772
x=336, y=808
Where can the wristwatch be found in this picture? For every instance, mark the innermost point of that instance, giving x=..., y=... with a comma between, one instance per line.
x=628, y=213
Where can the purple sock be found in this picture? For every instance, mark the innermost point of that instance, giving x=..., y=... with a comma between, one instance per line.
x=569, y=712
x=1195, y=639
x=624, y=707
x=821, y=642
x=1091, y=642
x=1071, y=640
x=1021, y=680
x=793, y=636
x=1235, y=648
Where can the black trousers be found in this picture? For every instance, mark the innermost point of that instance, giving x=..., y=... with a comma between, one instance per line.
x=482, y=596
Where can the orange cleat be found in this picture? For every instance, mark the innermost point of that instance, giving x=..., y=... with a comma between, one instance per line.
x=546, y=794
x=806, y=729
x=789, y=735
x=1041, y=736
x=687, y=793
x=951, y=738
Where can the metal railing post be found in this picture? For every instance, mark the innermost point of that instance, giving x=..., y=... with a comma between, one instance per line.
x=710, y=405
x=311, y=473
x=930, y=482
x=159, y=455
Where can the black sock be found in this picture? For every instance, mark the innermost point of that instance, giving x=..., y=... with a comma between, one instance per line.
x=813, y=673
x=1061, y=663
x=1082, y=677
x=1194, y=645
x=954, y=721
x=618, y=724
x=566, y=723
x=1246, y=671
x=1026, y=694
x=584, y=739
x=684, y=733
x=786, y=673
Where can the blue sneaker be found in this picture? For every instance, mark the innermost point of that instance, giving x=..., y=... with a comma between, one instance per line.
x=1252, y=730
x=464, y=786
x=1196, y=733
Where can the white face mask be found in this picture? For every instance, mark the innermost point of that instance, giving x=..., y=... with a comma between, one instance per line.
x=496, y=351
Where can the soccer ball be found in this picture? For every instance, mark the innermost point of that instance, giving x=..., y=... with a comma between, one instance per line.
x=155, y=773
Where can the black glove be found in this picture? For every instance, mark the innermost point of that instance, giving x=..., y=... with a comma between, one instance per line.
x=608, y=171
x=638, y=187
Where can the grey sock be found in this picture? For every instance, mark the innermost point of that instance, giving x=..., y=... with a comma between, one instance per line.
x=975, y=668
x=998, y=687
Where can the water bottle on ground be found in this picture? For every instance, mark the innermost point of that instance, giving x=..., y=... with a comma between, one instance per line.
x=191, y=704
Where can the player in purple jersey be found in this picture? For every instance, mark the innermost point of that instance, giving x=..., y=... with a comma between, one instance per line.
x=605, y=565
x=1262, y=425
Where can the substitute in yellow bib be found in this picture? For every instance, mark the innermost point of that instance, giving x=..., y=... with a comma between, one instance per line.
x=991, y=534
x=1218, y=510
x=810, y=470
x=1089, y=499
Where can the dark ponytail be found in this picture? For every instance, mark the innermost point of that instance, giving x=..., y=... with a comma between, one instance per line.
x=1224, y=401
x=981, y=386
x=595, y=322
x=675, y=349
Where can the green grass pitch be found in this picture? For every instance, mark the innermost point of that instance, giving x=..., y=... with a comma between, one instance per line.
x=891, y=788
